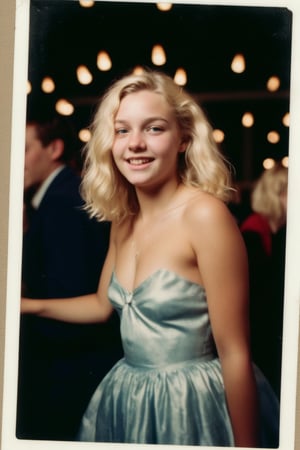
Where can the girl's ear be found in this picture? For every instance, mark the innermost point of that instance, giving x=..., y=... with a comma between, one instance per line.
x=183, y=146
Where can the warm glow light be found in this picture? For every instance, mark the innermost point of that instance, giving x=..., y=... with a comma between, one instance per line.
x=84, y=76
x=103, y=61
x=248, y=120
x=138, y=70
x=273, y=84
x=29, y=87
x=86, y=3
x=238, y=64
x=273, y=137
x=158, y=56
x=218, y=135
x=64, y=107
x=84, y=135
x=48, y=85
x=286, y=120
x=164, y=6
x=268, y=163
x=180, y=77
x=285, y=161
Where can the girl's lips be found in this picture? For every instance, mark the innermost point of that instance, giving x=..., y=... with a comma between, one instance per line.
x=139, y=161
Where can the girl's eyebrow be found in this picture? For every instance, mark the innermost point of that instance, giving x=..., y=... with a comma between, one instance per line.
x=148, y=120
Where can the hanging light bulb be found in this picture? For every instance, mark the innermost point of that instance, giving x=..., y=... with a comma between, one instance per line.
x=86, y=3
x=103, y=61
x=164, y=6
x=138, y=70
x=273, y=84
x=218, y=135
x=248, y=120
x=84, y=76
x=238, y=64
x=268, y=163
x=64, y=107
x=84, y=135
x=286, y=119
x=29, y=87
x=158, y=55
x=48, y=85
x=180, y=77
x=285, y=161
x=273, y=137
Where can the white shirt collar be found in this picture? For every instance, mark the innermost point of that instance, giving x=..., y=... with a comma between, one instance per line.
x=39, y=195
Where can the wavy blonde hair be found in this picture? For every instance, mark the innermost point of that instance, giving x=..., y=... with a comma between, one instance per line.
x=267, y=195
x=108, y=195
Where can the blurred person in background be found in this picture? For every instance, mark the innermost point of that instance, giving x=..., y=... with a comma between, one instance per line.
x=264, y=232
x=63, y=254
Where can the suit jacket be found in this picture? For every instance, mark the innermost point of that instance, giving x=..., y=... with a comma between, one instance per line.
x=63, y=254
x=61, y=363
x=63, y=250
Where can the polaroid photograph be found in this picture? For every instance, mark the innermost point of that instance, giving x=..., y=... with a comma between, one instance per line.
x=122, y=122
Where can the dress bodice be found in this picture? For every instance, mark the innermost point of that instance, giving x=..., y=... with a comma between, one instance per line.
x=164, y=321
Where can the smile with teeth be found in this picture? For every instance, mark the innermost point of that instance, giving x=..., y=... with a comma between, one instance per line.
x=139, y=161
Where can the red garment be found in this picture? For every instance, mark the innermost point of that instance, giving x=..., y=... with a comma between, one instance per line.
x=256, y=223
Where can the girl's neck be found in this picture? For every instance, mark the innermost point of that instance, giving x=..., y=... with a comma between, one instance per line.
x=157, y=201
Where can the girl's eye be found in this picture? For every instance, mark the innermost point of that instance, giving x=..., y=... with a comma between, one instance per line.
x=121, y=131
x=155, y=129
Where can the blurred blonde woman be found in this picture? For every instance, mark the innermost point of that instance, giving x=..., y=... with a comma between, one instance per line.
x=264, y=235
x=269, y=200
x=176, y=271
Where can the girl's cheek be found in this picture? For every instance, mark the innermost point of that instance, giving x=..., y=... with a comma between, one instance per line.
x=117, y=151
x=115, y=155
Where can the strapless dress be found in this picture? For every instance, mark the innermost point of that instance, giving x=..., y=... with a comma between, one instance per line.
x=168, y=388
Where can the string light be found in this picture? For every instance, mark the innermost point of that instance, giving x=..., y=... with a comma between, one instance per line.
x=238, y=64
x=138, y=70
x=84, y=135
x=158, y=55
x=180, y=77
x=84, y=76
x=273, y=137
x=48, y=85
x=248, y=120
x=29, y=87
x=218, y=135
x=164, y=6
x=273, y=84
x=86, y=3
x=64, y=107
x=286, y=119
x=103, y=61
x=268, y=163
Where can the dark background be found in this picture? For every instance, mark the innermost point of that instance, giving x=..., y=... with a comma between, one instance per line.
x=202, y=39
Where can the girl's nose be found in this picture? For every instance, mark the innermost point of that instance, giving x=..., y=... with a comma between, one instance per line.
x=136, y=141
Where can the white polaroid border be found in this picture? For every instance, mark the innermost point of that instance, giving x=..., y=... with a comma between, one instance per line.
x=288, y=439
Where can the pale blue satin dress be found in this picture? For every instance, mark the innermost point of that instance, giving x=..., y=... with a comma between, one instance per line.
x=168, y=388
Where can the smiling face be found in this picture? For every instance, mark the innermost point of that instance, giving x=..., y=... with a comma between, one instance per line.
x=147, y=140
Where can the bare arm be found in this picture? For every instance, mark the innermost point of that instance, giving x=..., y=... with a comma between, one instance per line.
x=222, y=262
x=90, y=308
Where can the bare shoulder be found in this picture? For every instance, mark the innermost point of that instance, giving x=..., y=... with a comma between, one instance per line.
x=215, y=238
x=205, y=209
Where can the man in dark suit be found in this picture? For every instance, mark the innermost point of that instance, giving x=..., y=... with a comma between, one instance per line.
x=60, y=364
